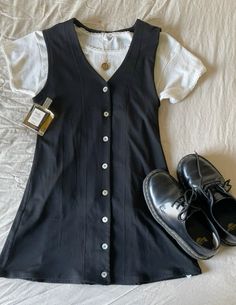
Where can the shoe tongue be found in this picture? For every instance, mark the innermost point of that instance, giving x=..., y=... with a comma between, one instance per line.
x=191, y=211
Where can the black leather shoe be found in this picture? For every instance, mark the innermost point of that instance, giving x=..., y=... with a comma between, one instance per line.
x=175, y=210
x=197, y=172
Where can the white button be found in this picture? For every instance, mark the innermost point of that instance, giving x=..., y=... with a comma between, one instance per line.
x=106, y=113
x=105, y=89
x=105, y=192
x=104, y=274
x=104, y=219
x=105, y=139
x=104, y=165
x=104, y=246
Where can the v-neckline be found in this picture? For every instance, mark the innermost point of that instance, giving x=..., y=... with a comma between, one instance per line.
x=134, y=28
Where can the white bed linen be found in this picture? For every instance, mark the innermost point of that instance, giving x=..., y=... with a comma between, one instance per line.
x=204, y=121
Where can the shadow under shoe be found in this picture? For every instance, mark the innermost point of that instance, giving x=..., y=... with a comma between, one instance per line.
x=176, y=210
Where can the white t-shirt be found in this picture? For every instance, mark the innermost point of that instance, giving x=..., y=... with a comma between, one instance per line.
x=176, y=70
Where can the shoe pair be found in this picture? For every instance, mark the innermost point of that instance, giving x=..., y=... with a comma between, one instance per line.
x=198, y=211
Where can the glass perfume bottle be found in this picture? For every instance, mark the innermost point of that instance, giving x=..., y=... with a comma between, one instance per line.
x=39, y=117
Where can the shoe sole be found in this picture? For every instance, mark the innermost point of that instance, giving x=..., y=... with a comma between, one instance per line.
x=179, y=240
x=227, y=243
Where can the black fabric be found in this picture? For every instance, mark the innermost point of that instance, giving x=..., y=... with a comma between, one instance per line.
x=58, y=230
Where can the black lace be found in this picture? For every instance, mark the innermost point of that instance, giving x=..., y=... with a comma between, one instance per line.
x=205, y=189
x=185, y=201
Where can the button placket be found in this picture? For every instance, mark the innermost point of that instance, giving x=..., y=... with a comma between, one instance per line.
x=105, y=192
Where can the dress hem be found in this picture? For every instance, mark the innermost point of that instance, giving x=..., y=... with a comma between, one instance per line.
x=131, y=280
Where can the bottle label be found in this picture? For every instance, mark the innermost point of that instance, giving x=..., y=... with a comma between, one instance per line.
x=36, y=117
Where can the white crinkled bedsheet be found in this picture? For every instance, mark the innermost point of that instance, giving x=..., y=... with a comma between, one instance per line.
x=204, y=121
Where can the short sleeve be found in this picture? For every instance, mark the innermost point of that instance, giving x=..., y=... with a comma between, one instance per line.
x=27, y=62
x=177, y=70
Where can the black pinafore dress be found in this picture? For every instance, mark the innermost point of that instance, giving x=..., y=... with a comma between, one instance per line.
x=83, y=217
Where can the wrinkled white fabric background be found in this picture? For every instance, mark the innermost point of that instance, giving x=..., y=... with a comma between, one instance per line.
x=204, y=121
